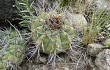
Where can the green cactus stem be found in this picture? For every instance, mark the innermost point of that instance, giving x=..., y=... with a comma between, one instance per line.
x=11, y=53
x=52, y=32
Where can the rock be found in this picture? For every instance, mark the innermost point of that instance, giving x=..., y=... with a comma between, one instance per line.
x=108, y=27
x=100, y=4
x=94, y=49
x=103, y=5
x=43, y=60
x=7, y=9
x=101, y=37
x=40, y=59
x=97, y=6
x=107, y=42
x=103, y=60
x=78, y=20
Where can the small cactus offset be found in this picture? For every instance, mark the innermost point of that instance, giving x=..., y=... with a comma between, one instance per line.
x=52, y=32
x=12, y=48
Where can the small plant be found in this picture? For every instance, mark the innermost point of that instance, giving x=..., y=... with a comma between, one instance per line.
x=76, y=6
x=12, y=48
x=97, y=23
x=25, y=10
x=52, y=33
x=49, y=29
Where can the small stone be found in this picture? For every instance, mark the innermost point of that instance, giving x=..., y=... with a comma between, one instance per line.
x=43, y=59
x=94, y=49
x=107, y=43
x=108, y=27
x=101, y=36
x=103, y=60
x=103, y=5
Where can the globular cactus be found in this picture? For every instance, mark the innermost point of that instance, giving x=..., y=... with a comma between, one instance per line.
x=52, y=32
x=12, y=47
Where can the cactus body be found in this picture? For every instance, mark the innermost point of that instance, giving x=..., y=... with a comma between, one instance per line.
x=11, y=53
x=52, y=33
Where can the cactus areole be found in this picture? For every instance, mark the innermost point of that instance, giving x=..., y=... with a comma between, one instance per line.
x=52, y=32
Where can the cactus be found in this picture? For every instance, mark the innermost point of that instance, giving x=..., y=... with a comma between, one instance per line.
x=11, y=51
x=52, y=32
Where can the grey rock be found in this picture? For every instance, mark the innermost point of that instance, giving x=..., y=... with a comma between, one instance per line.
x=78, y=20
x=108, y=27
x=103, y=5
x=43, y=59
x=103, y=60
x=107, y=42
x=40, y=60
x=94, y=49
